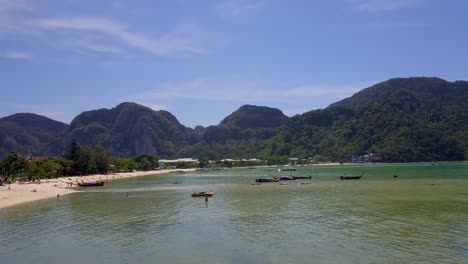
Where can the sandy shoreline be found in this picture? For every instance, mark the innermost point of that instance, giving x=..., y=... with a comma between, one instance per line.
x=22, y=193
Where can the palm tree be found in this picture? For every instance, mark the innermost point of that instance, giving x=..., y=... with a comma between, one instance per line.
x=13, y=164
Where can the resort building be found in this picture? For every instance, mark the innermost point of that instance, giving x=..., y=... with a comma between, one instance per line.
x=293, y=161
x=165, y=162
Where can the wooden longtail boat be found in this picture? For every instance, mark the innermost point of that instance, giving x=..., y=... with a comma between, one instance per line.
x=357, y=177
x=287, y=169
x=267, y=180
x=90, y=184
x=203, y=194
x=287, y=178
x=302, y=177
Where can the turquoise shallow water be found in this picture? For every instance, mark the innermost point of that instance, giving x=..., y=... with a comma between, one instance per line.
x=419, y=217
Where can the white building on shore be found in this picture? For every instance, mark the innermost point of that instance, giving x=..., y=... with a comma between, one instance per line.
x=164, y=162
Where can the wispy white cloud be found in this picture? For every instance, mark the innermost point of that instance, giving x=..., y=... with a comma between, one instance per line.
x=16, y=55
x=86, y=44
x=9, y=11
x=384, y=25
x=181, y=39
x=381, y=5
x=238, y=8
x=101, y=48
x=243, y=92
x=96, y=33
x=233, y=91
x=13, y=4
x=324, y=90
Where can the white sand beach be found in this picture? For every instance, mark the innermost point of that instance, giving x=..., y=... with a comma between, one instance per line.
x=21, y=193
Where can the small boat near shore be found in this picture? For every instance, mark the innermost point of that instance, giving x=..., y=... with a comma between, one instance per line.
x=267, y=180
x=351, y=177
x=203, y=194
x=286, y=178
x=90, y=184
x=302, y=177
x=287, y=169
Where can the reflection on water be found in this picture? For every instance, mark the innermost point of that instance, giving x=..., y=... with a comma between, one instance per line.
x=419, y=217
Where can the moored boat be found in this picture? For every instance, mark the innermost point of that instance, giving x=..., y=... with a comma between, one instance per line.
x=302, y=177
x=287, y=169
x=267, y=180
x=351, y=177
x=90, y=184
x=203, y=194
x=286, y=178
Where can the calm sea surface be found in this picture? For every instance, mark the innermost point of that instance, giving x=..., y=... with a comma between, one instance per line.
x=419, y=217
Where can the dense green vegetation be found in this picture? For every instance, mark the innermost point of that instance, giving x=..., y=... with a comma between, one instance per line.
x=15, y=165
x=415, y=119
x=239, y=135
x=406, y=119
x=80, y=160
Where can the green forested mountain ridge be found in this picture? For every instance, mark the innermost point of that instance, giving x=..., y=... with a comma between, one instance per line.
x=431, y=92
x=26, y=132
x=251, y=116
x=402, y=119
x=127, y=130
x=237, y=135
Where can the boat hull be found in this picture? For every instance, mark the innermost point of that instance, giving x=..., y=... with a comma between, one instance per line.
x=302, y=177
x=287, y=169
x=350, y=177
x=90, y=184
x=202, y=194
x=287, y=178
x=266, y=180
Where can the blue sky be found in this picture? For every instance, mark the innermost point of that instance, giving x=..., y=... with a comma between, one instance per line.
x=201, y=60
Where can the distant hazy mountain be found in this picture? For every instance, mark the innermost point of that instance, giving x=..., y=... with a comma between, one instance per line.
x=27, y=133
x=403, y=119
